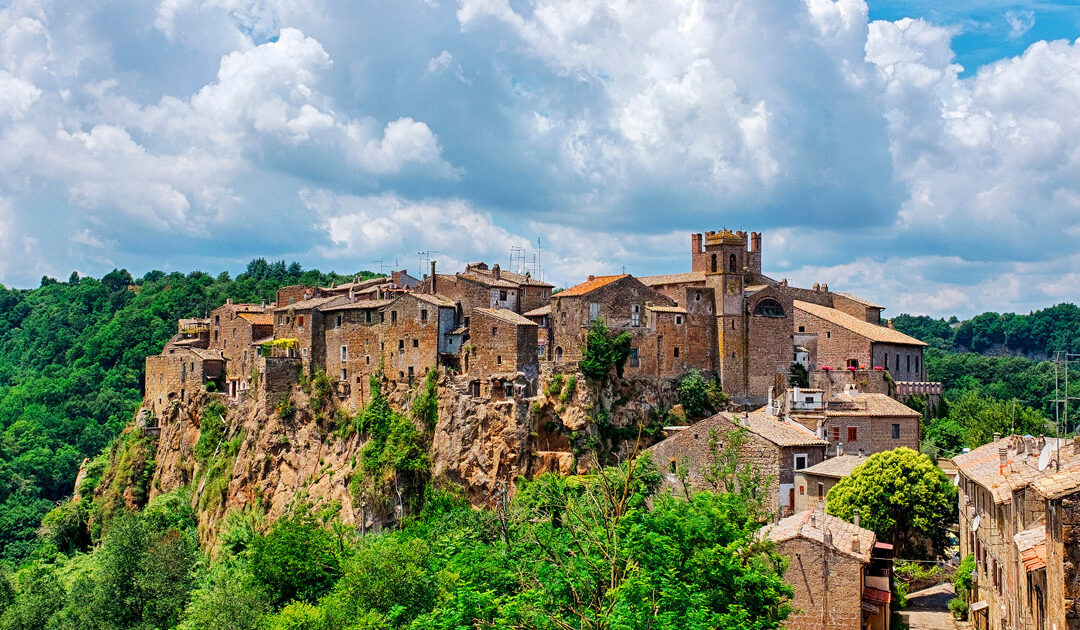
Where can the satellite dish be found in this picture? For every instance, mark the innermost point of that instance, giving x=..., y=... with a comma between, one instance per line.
x=956, y=480
x=1044, y=458
x=975, y=524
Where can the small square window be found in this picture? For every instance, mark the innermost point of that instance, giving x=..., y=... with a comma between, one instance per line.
x=676, y=353
x=800, y=462
x=852, y=434
x=802, y=328
x=299, y=320
x=821, y=491
x=498, y=360
x=337, y=320
x=344, y=376
x=828, y=334
x=494, y=331
x=400, y=344
x=678, y=319
x=416, y=343
x=423, y=314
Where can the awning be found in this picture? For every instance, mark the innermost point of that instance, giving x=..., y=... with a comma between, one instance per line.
x=979, y=605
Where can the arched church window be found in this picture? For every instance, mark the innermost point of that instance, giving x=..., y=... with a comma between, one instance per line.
x=769, y=308
x=731, y=263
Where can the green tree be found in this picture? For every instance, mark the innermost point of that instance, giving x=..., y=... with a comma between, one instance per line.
x=902, y=497
x=604, y=349
x=298, y=559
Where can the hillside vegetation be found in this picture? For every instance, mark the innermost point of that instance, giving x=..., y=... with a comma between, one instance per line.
x=71, y=371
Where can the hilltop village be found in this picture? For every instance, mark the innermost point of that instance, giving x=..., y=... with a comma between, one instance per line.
x=495, y=337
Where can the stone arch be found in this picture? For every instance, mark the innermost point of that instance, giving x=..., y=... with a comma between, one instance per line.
x=768, y=307
x=558, y=353
x=732, y=263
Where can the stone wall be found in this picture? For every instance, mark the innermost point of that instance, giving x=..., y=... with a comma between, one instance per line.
x=836, y=345
x=771, y=344
x=874, y=433
x=828, y=586
x=501, y=346
x=178, y=374
x=904, y=363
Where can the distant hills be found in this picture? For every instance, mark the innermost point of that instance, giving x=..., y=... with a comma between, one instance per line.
x=1036, y=335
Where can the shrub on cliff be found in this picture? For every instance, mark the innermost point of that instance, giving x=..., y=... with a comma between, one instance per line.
x=604, y=350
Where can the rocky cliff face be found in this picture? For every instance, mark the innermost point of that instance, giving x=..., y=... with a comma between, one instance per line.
x=266, y=458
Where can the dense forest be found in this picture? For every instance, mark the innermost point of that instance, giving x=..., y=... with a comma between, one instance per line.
x=71, y=368
x=996, y=374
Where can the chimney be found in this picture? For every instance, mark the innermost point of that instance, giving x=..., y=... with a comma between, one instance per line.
x=817, y=286
x=824, y=287
x=997, y=436
x=528, y=275
x=434, y=279
x=770, y=407
x=813, y=519
x=1003, y=457
x=891, y=324
x=591, y=278
x=746, y=420
x=855, y=548
x=839, y=449
x=496, y=272
x=856, y=518
x=828, y=536
x=783, y=282
x=695, y=243
x=228, y=301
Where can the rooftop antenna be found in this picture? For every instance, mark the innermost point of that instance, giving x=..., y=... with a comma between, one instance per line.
x=517, y=259
x=539, y=266
x=425, y=258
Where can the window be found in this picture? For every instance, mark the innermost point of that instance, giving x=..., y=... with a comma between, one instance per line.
x=800, y=461
x=344, y=353
x=731, y=263
x=768, y=307
x=502, y=296
x=558, y=353
x=498, y=360
x=697, y=297
x=712, y=267
x=393, y=316
x=897, y=362
x=217, y=319
x=852, y=434
x=594, y=310
x=543, y=294
x=835, y=434
x=802, y=328
x=896, y=431
x=909, y=363
x=634, y=357
x=635, y=315
x=423, y=314
x=416, y=343
x=678, y=319
x=494, y=331
x=853, y=363
x=215, y=335
x=299, y=320
x=245, y=356
x=344, y=376
x=400, y=344
x=410, y=373
x=466, y=322
x=820, y=491
x=303, y=351
x=676, y=353
x=367, y=317
x=673, y=467
x=828, y=334
x=802, y=490
x=367, y=359
x=337, y=320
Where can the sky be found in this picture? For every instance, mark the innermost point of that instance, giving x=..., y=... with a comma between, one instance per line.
x=922, y=154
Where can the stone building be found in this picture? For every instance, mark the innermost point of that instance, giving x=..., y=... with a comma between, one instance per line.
x=1018, y=516
x=301, y=323
x=236, y=331
x=776, y=448
x=620, y=301
x=845, y=341
x=480, y=286
x=861, y=422
x=840, y=582
x=812, y=484
x=502, y=361
x=353, y=343
x=178, y=373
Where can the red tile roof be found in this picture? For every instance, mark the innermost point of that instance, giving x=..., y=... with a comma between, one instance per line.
x=590, y=285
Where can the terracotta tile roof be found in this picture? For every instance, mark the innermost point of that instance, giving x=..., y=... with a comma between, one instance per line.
x=1058, y=484
x=983, y=466
x=855, y=298
x=304, y=305
x=516, y=279
x=689, y=277
x=1030, y=537
x=207, y=355
x=430, y=298
x=370, y=282
x=775, y=430
x=259, y=342
x=359, y=304
x=259, y=319
x=801, y=525
x=837, y=467
x=590, y=285
x=506, y=315
x=539, y=312
x=873, y=332
x=862, y=404
x=679, y=310
x=1034, y=558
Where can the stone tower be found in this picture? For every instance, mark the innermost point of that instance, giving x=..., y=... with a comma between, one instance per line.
x=725, y=258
